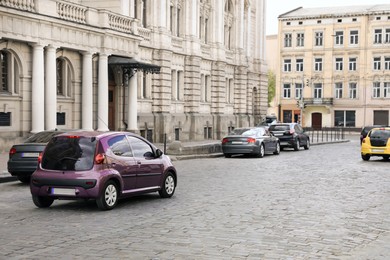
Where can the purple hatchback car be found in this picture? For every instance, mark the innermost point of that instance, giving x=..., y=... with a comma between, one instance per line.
x=104, y=166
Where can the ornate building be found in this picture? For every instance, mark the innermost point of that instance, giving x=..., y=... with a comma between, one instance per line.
x=334, y=66
x=189, y=69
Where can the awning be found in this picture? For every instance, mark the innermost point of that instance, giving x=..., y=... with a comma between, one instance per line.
x=131, y=63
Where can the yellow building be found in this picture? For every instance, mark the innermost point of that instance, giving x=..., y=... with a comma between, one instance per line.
x=339, y=58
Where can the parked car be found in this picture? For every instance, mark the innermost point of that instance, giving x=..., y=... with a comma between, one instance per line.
x=23, y=158
x=103, y=166
x=365, y=131
x=290, y=135
x=250, y=140
x=376, y=143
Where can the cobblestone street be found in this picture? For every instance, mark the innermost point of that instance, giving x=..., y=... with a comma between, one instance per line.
x=323, y=203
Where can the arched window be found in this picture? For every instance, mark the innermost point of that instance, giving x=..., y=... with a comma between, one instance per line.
x=64, y=77
x=9, y=73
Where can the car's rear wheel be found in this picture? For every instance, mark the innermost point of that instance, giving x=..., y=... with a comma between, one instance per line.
x=227, y=155
x=386, y=157
x=277, y=150
x=297, y=146
x=261, y=152
x=307, y=145
x=109, y=198
x=42, y=202
x=24, y=179
x=168, y=187
x=366, y=157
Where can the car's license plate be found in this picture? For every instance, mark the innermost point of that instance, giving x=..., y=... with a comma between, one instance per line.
x=62, y=191
x=30, y=154
x=378, y=150
x=236, y=142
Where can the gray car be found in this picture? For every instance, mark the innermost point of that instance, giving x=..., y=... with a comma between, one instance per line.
x=250, y=141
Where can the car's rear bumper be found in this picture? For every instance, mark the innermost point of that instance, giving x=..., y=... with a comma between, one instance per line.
x=240, y=149
x=21, y=168
x=375, y=151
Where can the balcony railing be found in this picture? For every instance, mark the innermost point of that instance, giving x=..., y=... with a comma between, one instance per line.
x=318, y=101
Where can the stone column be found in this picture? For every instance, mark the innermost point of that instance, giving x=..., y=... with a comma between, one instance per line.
x=87, y=93
x=50, y=89
x=37, y=90
x=102, y=114
x=132, y=103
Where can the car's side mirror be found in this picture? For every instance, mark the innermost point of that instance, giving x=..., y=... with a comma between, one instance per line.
x=159, y=153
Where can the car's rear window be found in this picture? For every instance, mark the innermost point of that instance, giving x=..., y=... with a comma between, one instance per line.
x=279, y=127
x=244, y=131
x=382, y=134
x=71, y=153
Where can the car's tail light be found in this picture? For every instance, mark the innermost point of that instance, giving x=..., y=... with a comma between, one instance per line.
x=225, y=140
x=99, y=158
x=39, y=158
x=251, y=140
x=364, y=140
x=12, y=151
x=73, y=136
x=292, y=131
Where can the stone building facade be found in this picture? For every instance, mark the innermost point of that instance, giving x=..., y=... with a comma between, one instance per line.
x=181, y=69
x=334, y=66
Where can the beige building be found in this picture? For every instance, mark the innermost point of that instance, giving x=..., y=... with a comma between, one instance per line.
x=334, y=64
x=189, y=69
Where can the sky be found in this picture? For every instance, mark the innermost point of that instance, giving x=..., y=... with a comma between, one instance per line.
x=278, y=7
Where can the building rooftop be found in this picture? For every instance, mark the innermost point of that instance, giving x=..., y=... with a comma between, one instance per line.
x=336, y=11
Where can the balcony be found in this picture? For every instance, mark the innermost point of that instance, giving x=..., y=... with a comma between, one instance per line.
x=318, y=101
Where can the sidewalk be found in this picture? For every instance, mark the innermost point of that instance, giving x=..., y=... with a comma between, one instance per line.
x=175, y=150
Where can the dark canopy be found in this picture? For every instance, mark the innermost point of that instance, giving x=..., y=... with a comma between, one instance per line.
x=131, y=63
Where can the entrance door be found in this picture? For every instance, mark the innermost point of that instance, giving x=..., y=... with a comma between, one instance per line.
x=316, y=121
x=111, y=107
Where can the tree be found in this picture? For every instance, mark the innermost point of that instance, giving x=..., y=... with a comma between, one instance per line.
x=271, y=86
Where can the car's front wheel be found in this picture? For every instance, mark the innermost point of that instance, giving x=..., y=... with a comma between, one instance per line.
x=227, y=155
x=168, y=187
x=42, y=202
x=366, y=157
x=109, y=198
x=277, y=149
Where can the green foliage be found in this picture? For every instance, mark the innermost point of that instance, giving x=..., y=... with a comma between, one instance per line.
x=271, y=86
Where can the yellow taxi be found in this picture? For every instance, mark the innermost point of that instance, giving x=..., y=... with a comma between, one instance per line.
x=376, y=143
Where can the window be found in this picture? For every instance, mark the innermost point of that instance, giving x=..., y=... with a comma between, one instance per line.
x=376, y=90
x=228, y=18
x=177, y=85
x=229, y=91
x=386, y=90
x=177, y=134
x=208, y=132
x=338, y=90
x=287, y=40
x=352, y=64
x=61, y=118
x=339, y=64
x=143, y=84
x=344, y=118
x=387, y=63
x=140, y=148
x=298, y=90
x=203, y=22
x=387, y=35
x=319, y=38
x=377, y=36
x=317, y=90
x=286, y=90
x=318, y=64
x=287, y=65
x=120, y=146
x=352, y=90
x=175, y=18
x=9, y=73
x=377, y=63
x=339, y=38
x=300, y=39
x=354, y=37
x=64, y=77
x=299, y=65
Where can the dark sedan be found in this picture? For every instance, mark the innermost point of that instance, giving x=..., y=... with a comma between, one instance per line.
x=23, y=158
x=291, y=135
x=250, y=141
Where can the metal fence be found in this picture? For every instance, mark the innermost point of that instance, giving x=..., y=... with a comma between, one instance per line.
x=325, y=134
